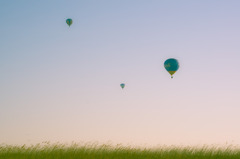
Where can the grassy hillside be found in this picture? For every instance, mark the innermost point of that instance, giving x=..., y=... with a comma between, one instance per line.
x=74, y=151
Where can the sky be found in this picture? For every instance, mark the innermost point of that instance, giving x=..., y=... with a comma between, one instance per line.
x=62, y=84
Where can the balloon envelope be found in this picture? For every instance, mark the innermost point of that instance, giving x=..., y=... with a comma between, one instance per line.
x=69, y=22
x=122, y=85
x=171, y=65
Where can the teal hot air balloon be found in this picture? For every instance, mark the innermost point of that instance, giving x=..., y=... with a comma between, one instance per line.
x=122, y=85
x=69, y=22
x=171, y=65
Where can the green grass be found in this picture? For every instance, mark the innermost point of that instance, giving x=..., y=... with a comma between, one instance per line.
x=94, y=151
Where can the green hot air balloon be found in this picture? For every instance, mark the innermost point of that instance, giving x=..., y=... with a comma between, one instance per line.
x=171, y=65
x=69, y=22
x=122, y=85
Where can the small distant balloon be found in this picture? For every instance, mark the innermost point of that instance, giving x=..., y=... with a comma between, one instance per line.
x=171, y=65
x=69, y=22
x=122, y=85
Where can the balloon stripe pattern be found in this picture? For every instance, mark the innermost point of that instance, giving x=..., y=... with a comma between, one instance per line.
x=69, y=22
x=171, y=65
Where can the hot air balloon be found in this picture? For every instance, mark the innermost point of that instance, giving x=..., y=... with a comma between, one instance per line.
x=122, y=85
x=171, y=65
x=69, y=22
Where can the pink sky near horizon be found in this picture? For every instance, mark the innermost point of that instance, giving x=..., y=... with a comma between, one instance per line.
x=62, y=84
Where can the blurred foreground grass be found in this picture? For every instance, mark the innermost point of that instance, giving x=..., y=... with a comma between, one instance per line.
x=95, y=151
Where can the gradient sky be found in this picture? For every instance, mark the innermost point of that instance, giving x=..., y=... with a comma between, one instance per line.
x=62, y=84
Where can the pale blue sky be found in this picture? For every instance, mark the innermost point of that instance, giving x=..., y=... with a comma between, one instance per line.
x=62, y=84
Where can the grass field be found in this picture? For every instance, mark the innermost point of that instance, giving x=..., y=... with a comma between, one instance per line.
x=94, y=151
